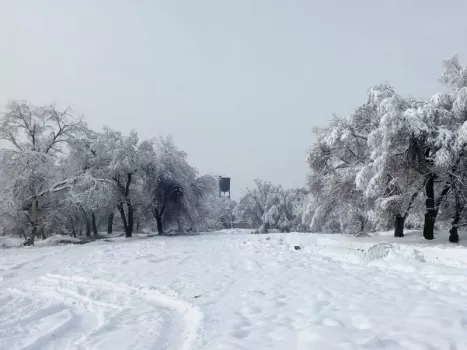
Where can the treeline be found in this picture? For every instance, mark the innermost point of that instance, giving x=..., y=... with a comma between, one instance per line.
x=60, y=177
x=394, y=162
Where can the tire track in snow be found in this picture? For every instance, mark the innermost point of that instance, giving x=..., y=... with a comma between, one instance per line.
x=108, y=306
x=190, y=315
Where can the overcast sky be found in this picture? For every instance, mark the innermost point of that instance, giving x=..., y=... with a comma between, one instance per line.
x=238, y=84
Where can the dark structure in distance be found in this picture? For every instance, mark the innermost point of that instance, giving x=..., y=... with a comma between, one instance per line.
x=224, y=185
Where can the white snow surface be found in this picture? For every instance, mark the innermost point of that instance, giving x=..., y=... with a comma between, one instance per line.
x=234, y=290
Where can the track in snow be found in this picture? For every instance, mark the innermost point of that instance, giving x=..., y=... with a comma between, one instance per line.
x=82, y=313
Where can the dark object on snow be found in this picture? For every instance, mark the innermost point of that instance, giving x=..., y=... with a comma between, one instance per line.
x=297, y=247
x=257, y=291
x=361, y=234
x=28, y=242
x=83, y=241
x=360, y=250
x=66, y=240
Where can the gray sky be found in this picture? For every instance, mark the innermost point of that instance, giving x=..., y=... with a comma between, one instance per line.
x=238, y=84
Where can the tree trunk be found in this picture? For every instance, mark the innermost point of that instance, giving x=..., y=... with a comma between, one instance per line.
x=264, y=228
x=110, y=223
x=94, y=226
x=160, y=226
x=123, y=217
x=399, y=226
x=129, y=232
x=159, y=215
x=127, y=224
x=88, y=228
x=409, y=207
x=179, y=226
x=453, y=234
x=21, y=231
x=30, y=240
x=42, y=232
x=88, y=224
x=432, y=207
x=34, y=216
x=430, y=212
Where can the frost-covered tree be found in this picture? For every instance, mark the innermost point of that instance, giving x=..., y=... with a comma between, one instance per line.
x=256, y=202
x=411, y=149
x=166, y=173
x=335, y=158
x=444, y=151
x=96, y=195
x=268, y=206
x=38, y=135
x=173, y=191
x=203, y=203
x=43, y=129
x=61, y=177
x=285, y=214
x=392, y=175
x=451, y=110
x=111, y=161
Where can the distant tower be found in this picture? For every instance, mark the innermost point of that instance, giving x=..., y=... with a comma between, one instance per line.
x=224, y=186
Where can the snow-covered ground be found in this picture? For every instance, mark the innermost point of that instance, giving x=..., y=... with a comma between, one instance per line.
x=234, y=290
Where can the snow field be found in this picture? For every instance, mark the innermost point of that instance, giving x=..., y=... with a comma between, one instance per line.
x=232, y=290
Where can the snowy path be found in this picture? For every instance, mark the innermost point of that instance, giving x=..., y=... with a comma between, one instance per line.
x=234, y=291
x=73, y=312
x=98, y=314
